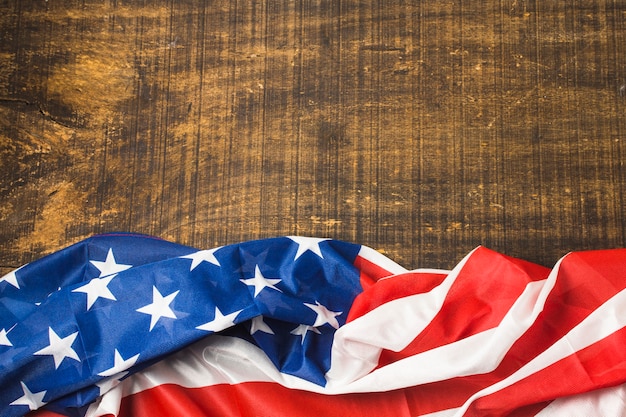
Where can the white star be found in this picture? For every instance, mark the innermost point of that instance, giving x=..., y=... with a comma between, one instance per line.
x=160, y=307
x=107, y=384
x=97, y=288
x=202, y=256
x=119, y=365
x=109, y=266
x=260, y=282
x=308, y=243
x=324, y=315
x=258, y=325
x=59, y=348
x=33, y=400
x=4, y=339
x=220, y=321
x=302, y=331
x=11, y=278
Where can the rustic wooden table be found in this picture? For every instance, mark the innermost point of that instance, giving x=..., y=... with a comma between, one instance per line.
x=421, y=129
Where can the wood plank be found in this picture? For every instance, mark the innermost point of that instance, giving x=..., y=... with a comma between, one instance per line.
x=420, y=129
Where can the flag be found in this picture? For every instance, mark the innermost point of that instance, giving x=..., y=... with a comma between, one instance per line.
x=129, y=325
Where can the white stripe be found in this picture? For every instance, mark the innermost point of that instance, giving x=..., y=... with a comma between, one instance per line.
x=381, y=260
x=602, y=322
x=420, y=271
x=431, y=271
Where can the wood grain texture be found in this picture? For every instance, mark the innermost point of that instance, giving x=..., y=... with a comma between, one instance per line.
x=421, y=129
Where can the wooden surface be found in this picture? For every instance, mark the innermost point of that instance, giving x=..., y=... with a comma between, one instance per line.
x=421, y=129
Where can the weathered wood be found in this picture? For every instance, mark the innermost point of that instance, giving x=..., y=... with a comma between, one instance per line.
x=421, y=129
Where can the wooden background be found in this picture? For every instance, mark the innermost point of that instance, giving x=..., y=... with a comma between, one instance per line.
x=419, y=128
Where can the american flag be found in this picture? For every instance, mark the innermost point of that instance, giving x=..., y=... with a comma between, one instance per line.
x=130, y=325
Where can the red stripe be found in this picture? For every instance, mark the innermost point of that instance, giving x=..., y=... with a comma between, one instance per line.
x=260, y=399
x=370, y=272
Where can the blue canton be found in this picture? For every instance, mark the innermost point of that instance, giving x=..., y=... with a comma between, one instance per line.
x=75, y=323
